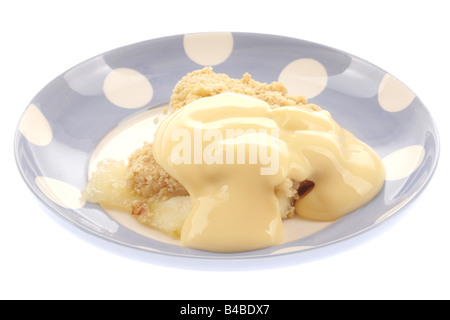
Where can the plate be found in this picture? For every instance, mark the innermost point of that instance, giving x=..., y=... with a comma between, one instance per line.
x=83, y=112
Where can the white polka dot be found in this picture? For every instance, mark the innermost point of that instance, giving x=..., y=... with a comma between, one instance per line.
x=87, y=78
x=208, y=49
x=307, y=77
x=127, y=88
x=403, y=162
x=35, y=127
x=394, y=96
x=60, y=192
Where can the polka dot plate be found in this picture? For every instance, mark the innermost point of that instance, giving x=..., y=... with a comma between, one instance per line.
x=66, y=121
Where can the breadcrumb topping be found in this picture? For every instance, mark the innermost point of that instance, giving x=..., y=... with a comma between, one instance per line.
x=146, y=178
x=205, y=83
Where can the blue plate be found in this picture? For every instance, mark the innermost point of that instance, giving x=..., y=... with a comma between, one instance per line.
x=64, y=123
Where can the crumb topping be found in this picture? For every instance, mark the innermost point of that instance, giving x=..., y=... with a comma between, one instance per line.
x=146, y=178
x=205, y=83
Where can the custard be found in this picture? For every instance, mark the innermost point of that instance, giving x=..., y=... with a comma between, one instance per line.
x=233, y=160
x=235, y=207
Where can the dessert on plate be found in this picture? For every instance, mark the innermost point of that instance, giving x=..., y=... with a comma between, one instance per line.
x=232, y=160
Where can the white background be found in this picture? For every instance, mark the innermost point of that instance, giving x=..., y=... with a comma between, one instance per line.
x=43, y=257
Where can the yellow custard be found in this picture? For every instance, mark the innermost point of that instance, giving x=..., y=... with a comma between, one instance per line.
x=230, y=151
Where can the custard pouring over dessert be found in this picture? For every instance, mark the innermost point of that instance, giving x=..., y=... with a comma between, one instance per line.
x=234, y=159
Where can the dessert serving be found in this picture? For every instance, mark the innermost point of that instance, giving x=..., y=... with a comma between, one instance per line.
x=232, y=160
